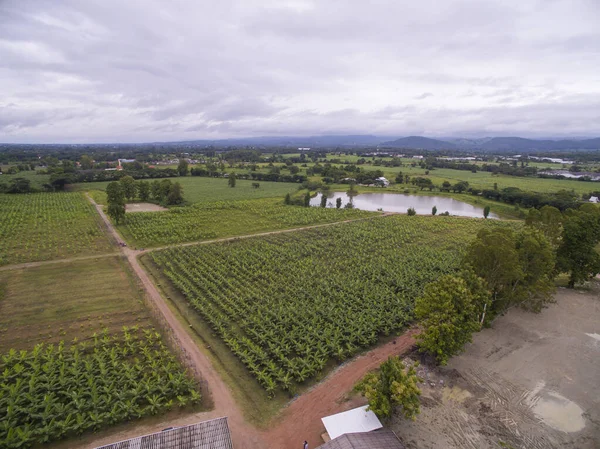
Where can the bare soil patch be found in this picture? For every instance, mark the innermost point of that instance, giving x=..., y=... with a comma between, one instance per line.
x=530, y=381
x=144, y=207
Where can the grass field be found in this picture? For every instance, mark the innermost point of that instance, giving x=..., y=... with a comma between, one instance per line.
x=198, y=189
x=206, y=221
x=286, y=305
x=63, y=301
x=45, y=226
x=37, y=179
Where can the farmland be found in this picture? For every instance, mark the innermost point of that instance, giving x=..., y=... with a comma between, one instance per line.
x=56, y=391
x=45, y=226
x=204, y=190
x=285, y=305
x=64, y=301
x=222, y=219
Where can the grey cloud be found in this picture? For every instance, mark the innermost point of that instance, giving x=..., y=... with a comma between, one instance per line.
x=131, y=71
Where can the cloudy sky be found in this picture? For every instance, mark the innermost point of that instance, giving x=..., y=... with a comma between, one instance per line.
x=148, y=70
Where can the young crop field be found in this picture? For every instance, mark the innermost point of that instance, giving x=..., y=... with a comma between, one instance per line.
x=198, y=189
x=45, y=226
x=222, y=219
x=286, y=304
x=64, y=301
x=58, y=391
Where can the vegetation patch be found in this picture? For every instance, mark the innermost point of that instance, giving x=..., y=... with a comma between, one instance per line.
x=53, y=392
x=224, y=219
x=63, y=301
x=287, y=304
x=45, y=226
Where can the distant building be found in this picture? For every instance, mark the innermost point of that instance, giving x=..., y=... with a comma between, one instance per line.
x=304, y=149
x=594, y=199
x=213, y=434
x=382, y=181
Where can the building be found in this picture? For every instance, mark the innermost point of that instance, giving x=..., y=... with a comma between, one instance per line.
x=378, y=439
x=213, y=434
x=382, y=181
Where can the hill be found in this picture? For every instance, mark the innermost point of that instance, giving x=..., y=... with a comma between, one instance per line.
x=420, y=143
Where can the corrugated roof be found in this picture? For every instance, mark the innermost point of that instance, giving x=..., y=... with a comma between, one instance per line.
x=378, y=439
x=213, y=434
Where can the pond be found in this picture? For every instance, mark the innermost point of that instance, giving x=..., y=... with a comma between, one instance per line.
x=397, y=202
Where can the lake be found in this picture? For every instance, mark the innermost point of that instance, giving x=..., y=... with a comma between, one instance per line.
x=397, y=202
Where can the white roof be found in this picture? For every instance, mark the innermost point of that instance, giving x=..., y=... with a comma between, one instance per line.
x=594, y=199
x=352, y=421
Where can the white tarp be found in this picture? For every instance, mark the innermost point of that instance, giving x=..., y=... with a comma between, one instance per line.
x=352, y=421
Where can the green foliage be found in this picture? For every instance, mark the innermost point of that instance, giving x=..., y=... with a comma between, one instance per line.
x=143, y=188
x=518, y=269
x=285, y=304
x=129, y=187
x=393, y=385
x=433, y=210
x=323, y=200
x=486, y=211
x=307, y=199
x=44, y=226
x=225, y=218
x=53, y=392
x=577, y=253
x=175, y=195
x=447, y=311
x=231, y=180
x=549, y=221
x=411, y=211
x=288, y=199
x=183, y=167
x=115, y=197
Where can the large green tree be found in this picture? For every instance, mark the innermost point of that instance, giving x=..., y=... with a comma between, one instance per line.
x=143, y=189
x=447, y=311
x=175, y=195
x=183, y=167
x=129, y=187
x=577, y=254
x=393, y=385
x=115, y=197
x=548, y=220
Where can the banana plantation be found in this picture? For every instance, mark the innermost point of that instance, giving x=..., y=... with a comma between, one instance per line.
x=288, y=304
x=56, y=391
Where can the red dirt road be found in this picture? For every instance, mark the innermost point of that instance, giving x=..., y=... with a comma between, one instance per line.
x=300, y=421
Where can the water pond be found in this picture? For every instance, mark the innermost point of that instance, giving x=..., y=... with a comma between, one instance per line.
x=397, y=202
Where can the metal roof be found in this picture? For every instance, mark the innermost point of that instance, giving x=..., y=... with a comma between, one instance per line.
x=213, y=434
x=356, y=420
x=378, y=439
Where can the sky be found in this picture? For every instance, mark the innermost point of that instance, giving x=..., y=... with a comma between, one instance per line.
x=85, y=71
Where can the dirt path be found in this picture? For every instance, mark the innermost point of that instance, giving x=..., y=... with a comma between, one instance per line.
x=298, y=422
x=48, y=262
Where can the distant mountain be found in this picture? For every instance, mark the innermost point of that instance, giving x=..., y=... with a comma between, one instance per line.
x=520, y=144
x=420, y=143
x=291, y=141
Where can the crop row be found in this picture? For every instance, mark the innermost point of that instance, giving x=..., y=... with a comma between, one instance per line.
x=286, y=304
x=220, y=219
x=44, y=226
x=52, y=392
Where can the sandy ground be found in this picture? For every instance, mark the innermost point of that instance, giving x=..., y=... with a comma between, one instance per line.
x=530, y=381
x=143, y=207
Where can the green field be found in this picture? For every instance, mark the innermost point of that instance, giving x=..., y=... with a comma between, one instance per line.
x=37, y=179
x=63, y=301
x=59, y=391
x=206, y=221
x=286, y=304
x=45, y=226
x=198, y=189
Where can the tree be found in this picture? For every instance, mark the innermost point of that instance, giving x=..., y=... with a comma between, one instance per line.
x=115, y=197
x=448, y=315
x=294, y=169
x=338, y=203
x=182, y=167
x=165, y=189
x=288, y=199
x=87, y=163
x=393, y=385
x=577, y=254
x=143, y=189
x=460, y=186
x=518, y=269
x=486, y=211
x=231, y=180
x=129, y=187
x=155, y=190
x=411, y=211
x=548, y=220
x=323, y=200
x=446, y=186
x=307, y=199
x=433, y=210
x=175, y=195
